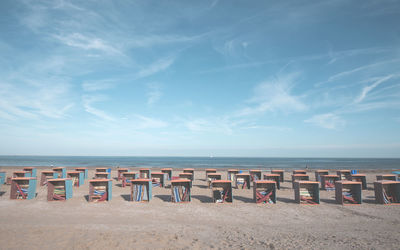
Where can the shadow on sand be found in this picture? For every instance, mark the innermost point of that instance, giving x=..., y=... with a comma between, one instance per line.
x=126, y=197
x=203, y=198
x=369, y=201
x=285, y=200
x=164, y=197
x=243, y=199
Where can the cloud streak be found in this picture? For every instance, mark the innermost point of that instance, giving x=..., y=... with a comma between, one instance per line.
x=146, y=41
x=145, y=122
x=201, y=125
x=91, y=86
x=156, y=67
x=274, y=95
x=154, y=93
x=369, y=88
x=81, y=41
x=328, y=121
x=356, y=70
x=88, y=102
x=36, y=101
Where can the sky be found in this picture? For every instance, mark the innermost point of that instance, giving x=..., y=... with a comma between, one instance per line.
x=200, y=78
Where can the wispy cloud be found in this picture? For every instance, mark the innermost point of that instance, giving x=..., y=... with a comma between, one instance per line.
x=330, y=57
x=268, y=128
x=351, y=100
x=158, y=66
x=228, y=48
x=227, y=125
x=233, y=48
x=356, y=70
x=145, y=122
x=275, y=95
x=65, y=4
x=81, y=41
x=145, y=41
x=369, y=106
x=12, y=111
x=235, y=66
x=154, y=93
x=329, y=121
x=91, y=86
x=34, y=100
x=218, y=125
x=335, y=56
x=368, y=97
x=369, y=88
x=89, y=100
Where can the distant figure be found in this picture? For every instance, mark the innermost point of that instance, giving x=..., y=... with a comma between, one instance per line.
x=307, y=167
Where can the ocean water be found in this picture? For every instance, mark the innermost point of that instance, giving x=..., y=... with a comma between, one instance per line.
x=202, y=162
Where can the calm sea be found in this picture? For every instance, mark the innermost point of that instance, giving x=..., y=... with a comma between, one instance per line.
x=201, y=162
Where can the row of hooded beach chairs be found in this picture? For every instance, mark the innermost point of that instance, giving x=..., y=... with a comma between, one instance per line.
x=347, y=191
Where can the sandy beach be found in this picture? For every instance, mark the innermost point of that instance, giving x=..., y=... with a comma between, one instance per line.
x=160, y=224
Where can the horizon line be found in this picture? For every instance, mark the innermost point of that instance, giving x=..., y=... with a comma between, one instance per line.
x=177, y=156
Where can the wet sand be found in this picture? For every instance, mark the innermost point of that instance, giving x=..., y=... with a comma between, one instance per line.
x=78, y=224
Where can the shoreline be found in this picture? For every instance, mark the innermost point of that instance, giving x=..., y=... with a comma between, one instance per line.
x=311, y=170
x=201, y=162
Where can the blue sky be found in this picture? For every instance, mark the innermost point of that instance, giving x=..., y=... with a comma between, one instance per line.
x=199, y=78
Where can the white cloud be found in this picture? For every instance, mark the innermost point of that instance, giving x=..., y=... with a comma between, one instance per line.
x=358, y=69
x=271, y=128
x=12, y=110
x=154, y=93
x=364, y=107
x=154, y=40
x=369, y=88
x=33, y=100
x=229, y=48
x=331, y=56
x=62, y=4
x=157, y=66
x=88, y=102
x=334, y=56
x=209, y=125
x=232, y=48
x=274, y=95
x=145, y=122
x=329, y=121
x=87, y=43
x=91, y=86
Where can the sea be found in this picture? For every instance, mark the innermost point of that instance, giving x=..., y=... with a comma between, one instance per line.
x=202, y=162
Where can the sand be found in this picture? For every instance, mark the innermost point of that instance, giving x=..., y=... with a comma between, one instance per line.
x=78, y=224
